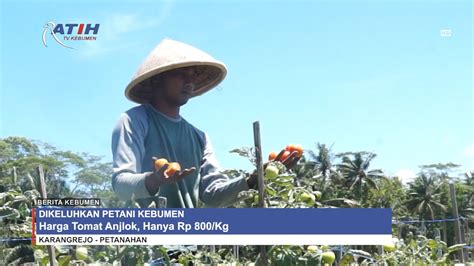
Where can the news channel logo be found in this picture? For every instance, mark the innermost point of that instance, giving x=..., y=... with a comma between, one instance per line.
x=446, y=33
x=64, y=33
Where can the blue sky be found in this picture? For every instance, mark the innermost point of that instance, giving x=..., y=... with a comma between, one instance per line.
x=361, y=75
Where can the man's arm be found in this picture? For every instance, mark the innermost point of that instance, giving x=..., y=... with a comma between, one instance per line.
x=217, y=189
x=128, y=151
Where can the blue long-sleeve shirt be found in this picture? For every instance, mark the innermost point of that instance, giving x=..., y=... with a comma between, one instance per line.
x=141, y=133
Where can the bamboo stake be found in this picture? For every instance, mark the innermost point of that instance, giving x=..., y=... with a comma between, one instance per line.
x=261, y=184
x=457, y=227
x=51, y=253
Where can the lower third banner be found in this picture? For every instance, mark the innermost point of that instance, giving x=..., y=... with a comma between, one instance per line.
x=118, y=226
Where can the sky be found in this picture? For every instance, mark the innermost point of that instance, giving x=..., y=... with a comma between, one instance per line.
x=358, y=75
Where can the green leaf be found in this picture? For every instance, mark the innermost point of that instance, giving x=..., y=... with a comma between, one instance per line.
x=39, y=255
x=443, y=244
x=100, y=255
x=285, y=178
x=284, y=193
x=360, y=253
x=7, y=212
x=62, y=249
x=432, y=243
x=455, y=248
x=64, y=260
x=270, y=191
x=45, y=261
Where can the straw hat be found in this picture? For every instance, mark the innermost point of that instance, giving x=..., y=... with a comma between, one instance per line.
x=168, y=55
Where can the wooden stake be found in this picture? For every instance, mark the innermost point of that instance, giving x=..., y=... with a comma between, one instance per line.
x=261, y=183
x=15, y=177
x=44, y=195
x=236, y=252
x=258, y=156
x=457, y=227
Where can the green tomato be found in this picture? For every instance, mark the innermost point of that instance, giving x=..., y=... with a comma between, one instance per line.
x=328, y=257
x=81, y=253
x=325, y=248
x=256, y=198
x=307, y=198
x=271, y=171
x=389, y=248
x=346, y=260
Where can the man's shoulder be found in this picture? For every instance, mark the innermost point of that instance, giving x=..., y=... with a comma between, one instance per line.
x=199, y=132
x=135, y=112
x=135, y=117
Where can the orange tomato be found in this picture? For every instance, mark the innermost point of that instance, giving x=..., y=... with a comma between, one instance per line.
x=272, y=156
x=172, y=169
x=285, y=155
x=160, y=163
x=295, y=148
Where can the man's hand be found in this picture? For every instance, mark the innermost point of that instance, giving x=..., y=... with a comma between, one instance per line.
x=289, y=163
x=153, y=180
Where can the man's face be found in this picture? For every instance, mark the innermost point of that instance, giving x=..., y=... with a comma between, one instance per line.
x=176, y=86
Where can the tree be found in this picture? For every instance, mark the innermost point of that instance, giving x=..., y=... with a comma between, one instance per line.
x=356, y=172
x=390, y=194
x=320, y=166
x=67, y=173
x=322, y=161
x=469, y=185
x=424, y=194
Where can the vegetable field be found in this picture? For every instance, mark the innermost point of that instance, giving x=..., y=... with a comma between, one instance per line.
x=428, y=228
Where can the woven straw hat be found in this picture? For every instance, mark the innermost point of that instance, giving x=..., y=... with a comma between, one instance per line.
x=168, y=55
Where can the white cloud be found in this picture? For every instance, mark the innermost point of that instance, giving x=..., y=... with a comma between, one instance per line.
x=405, y=175
x=115, y=30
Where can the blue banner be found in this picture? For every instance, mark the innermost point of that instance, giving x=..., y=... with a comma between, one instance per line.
x=90, y=221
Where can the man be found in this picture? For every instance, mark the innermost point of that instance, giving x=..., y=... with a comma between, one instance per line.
x=173, y=73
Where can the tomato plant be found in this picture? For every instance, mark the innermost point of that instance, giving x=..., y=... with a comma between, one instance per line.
x=271, y=171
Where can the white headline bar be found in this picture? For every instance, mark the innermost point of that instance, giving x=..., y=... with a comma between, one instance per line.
x=213, y=239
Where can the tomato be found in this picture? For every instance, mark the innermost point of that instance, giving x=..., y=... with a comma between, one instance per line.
x=272, y=156
x=285, y=155
x=307, y=198
x=298, y=148
x=325, y=248
x=295, y=148
x=160, y=163
x=312, y=249
x=81, y=253
x=346, y=259
x=389, y=248
x=256, y=199
x=271, y=171
x=329, y=257
x=172, y=169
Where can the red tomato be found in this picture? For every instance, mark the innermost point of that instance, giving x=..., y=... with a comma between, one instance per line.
x=160, y=163
x=172, y=168
x=272, y=156
x=295, y=148
x=285, y=155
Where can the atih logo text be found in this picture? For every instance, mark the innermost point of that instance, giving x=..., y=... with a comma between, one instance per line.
x=63, y=33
